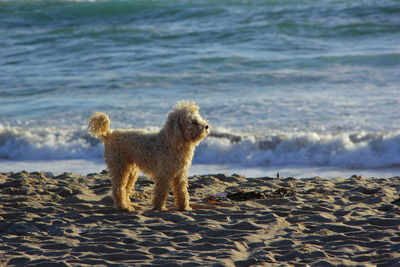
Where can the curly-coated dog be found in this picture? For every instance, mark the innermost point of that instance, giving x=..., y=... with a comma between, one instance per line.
x=165, y=155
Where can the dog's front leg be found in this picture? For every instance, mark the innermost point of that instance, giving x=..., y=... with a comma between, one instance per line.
x=181, y=193
x=161, y=189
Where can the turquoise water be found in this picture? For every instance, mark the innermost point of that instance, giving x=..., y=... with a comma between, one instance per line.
x=283, y=83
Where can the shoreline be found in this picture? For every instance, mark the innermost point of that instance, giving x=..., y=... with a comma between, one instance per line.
x=69, y=219
x=82, y=167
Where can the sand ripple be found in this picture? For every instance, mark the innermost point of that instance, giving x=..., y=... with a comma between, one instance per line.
x=69, y=220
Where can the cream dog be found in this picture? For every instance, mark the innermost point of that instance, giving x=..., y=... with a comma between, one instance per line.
x=165, y=155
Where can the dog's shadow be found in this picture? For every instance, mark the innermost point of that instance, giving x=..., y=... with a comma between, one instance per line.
x=141, y=200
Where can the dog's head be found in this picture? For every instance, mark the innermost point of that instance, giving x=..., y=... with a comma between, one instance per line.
x=185, y=124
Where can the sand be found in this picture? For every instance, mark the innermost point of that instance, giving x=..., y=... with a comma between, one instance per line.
x=69, y=220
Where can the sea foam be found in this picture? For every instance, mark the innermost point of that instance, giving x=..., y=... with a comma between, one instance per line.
x=360, y=150
x=355, y=150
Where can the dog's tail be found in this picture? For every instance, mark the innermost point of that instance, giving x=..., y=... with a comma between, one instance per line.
x=99, y=125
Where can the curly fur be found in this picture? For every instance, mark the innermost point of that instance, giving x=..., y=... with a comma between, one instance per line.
x=99, y=125
x=165, y=155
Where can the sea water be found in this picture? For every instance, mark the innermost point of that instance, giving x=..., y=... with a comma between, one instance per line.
x=303, y=88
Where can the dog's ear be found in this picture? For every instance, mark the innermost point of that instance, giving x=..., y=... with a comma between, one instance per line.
x=173, y=129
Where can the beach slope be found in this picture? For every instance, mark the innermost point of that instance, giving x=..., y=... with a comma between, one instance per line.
x=70, y=220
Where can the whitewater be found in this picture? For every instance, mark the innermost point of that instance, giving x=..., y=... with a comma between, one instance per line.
x=303, y=88
x=293, y=154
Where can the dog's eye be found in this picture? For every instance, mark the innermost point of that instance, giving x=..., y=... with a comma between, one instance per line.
x=195, y=122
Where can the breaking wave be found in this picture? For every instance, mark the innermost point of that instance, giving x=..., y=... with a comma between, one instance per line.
x=355, y=150
x=18, y=143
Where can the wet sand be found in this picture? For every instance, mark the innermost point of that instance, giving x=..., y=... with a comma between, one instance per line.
x=69, y=220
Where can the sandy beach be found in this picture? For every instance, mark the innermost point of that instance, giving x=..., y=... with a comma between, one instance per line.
x=69, y=220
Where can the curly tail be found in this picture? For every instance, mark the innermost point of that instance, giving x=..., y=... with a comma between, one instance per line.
x=99, y=125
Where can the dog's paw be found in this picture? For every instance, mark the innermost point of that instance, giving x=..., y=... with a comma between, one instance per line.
x=187, y=208
x=134, y=207
x=129, y=208
x=162, y=208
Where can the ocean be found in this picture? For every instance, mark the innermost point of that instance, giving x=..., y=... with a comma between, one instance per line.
x=304, y=88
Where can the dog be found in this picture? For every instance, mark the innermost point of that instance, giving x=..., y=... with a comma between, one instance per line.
x=165, y=155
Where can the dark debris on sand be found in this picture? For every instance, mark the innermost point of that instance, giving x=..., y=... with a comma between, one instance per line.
x=251, y=195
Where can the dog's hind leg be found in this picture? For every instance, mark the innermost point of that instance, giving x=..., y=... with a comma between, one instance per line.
x=181, y=194
x=120, y=178
x=133, y=175
x=130, y=185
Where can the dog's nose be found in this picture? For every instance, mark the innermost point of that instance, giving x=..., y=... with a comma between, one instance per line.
x=206, y=127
